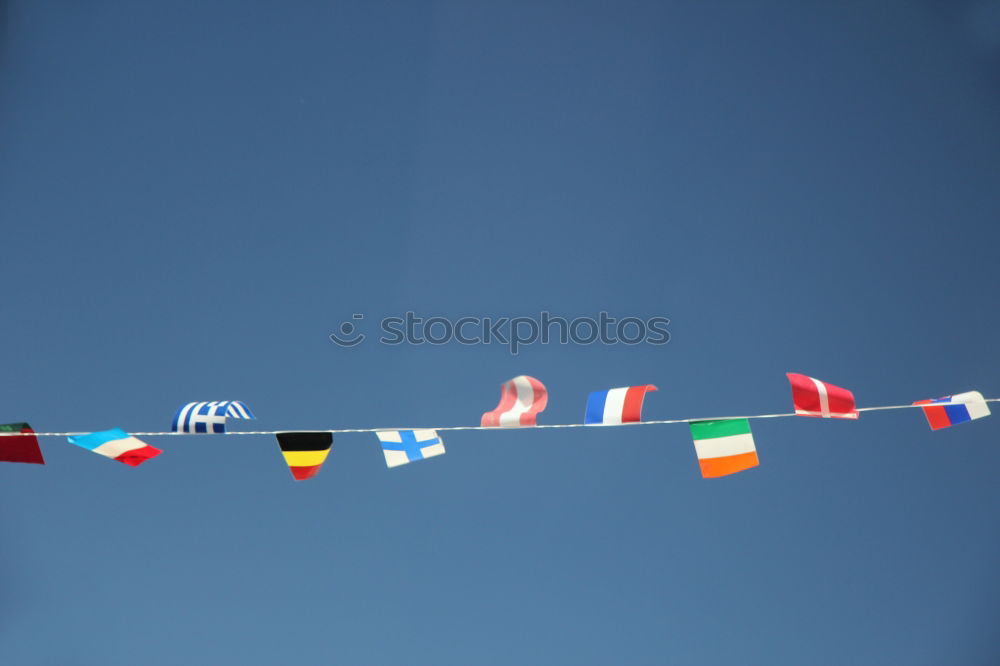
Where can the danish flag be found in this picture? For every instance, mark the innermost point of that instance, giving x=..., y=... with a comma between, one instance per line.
x=521, y=399
x=815, y=398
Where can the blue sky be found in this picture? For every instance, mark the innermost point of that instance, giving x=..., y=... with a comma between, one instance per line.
x=194, y=197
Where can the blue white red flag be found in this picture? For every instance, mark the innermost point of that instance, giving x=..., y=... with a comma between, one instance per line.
x=616, y=406
x=118, y=445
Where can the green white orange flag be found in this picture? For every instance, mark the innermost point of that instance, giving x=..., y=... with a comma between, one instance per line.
x=723, y=447
x=304, y=452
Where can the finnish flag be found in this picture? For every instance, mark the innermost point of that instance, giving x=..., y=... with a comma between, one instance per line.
x=405, y=446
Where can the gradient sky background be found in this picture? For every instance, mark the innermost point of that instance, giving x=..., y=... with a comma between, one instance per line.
x=194, y=196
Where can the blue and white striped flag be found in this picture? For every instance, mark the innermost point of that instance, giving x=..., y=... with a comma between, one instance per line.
x=405, y=446
x=209, y=417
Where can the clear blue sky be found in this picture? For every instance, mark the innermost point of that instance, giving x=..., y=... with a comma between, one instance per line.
x=193, y=197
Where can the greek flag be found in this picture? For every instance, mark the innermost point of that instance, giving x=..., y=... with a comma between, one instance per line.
x=209, y=417
x=404, y=446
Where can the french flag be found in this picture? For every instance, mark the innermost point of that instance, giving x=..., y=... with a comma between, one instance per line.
x=953, y=409
x=521, y=399
x=616, y=406
x=117, y=445
x=815, y=398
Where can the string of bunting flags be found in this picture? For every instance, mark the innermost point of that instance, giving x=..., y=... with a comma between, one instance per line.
x=723, y=445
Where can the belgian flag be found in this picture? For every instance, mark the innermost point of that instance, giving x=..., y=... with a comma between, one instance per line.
x=305, y=452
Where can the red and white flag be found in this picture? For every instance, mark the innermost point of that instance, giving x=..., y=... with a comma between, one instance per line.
x=521, y=399
x=815, y=398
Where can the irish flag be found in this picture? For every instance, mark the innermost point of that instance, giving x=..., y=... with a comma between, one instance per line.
x=723, y=447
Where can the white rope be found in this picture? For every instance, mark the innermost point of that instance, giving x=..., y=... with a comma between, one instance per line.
x=495, y=428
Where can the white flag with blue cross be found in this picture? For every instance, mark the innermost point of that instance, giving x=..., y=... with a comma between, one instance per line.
x=405, y=446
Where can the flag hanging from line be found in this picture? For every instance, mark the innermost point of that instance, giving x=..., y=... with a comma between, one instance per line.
x=723, y=447
x=20, y=448
x=616, y=406
x=209, y=417
x=815, y=398
x=304, y=452
x=405, y=446
x=521, y=400
x=953, y=409
x=118, y=445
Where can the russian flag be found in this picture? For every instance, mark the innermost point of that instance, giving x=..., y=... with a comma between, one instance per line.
x=616, y=406
x=118, y=445
x=952, y=409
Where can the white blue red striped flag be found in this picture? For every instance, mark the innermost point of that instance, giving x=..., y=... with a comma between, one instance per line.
x=953, y=409
x=616, y=406
x=209, y=417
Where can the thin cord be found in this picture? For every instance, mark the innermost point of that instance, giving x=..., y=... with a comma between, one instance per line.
x=453, y=428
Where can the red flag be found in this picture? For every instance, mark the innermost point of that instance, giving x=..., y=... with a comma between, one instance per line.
x=20, y=448
x=815, y=398
x=521, y=399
